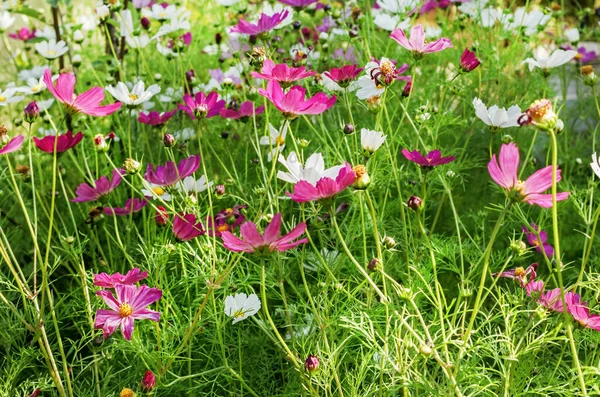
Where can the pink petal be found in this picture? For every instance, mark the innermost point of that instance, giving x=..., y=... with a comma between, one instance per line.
x=126, y=293
x=146, y=314
x=251, y=235
x=127, y=327
x=304, y=192
x=109, y=299
x=400, y=37
x=540, y=181
x=235, y=244
x=273, y=230
x=417, y=38
x=144, y=297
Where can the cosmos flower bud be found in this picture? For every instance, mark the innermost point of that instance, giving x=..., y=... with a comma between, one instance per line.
x=76, y=60
x=149, y=381
x=100, y=143
x=518, y=247
x=589, y=77
x=36, y=393
x=78, y=36
x=425, y=350
x=31, y=112
x=407, y=89
x=468, y=61
x=145, y=22
x=389, y=242
x=414, y=203
x=373, y=264
x=541, y=115
x=168, y=140
x=220, y=190
x=126, y=393
x=18, y=122
x=162, y=217
x=311, y=364
x=132, y=166
x=405, y=294
x=349, y=129
x=362, y=177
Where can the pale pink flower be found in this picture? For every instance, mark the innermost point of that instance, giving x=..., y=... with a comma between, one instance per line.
x=416, y=43
x=293, y=103
x=325, y=187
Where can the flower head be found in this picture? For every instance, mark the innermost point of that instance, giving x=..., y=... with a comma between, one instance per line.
x=580, y=312
x=202, y=106
x=131, y=207
x=496, y=117
x=252, y=241
x=63, y=142
x=226, y=220
x=241, y=306
x=186, y=227
x=339, y=78
x=379, y=74
x=101, y=188
x=128, y=305
x=541, y=115
x=552, y=300
x=265, y=24
x=504, y=173
x=416, y=43
x=371, y=140
x=156, y=119
x=23, y=34
x=541, y=244
x=148, y=381
x=134, y=98
x=282, y=73
x=12, y=145
x=546, y=63
x=468, y=61
x=105, y=280
x=169, y=174
x=245, y=111
x=87, y=103
x=52, y=49
x=325, y=187
x=432, y=159
x=293, y=103
x=520, y=275
x=311, y=364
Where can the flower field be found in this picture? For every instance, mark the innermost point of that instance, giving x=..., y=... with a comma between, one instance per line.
x=299, y=198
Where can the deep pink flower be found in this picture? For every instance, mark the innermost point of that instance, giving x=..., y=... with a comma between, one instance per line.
x=226, y=220
x=102, y=187
x=522, y=276
x=186, y=227
x=23, y=34
x=202, y=106
x=531, y=191
x=282, y=73
x=580, y=312
x=432, y=159
x=129, y=304
x=64, y=142
x=156, y=119
x=265, y=24
x=541, y=245
x=86, y=103
x=468, y=61
x=298, y=3
x=105, y=280
x=293, y=103
x=169, y=174
x=131, y=207
x=325, y=187
x=245, y=111
x=552, y=301
x=13, y=145
x=149, y=381
x=270, y=241
x=416, y=43
x=345, y=75
x=535, y=288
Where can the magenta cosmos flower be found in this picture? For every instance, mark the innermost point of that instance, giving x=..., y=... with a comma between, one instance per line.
x=265, y=24
x=552, y=301
x=245, y=111
x=541, y=244
x=270, y=241
x=345, y=75
x=298, y=3
x=226, y=220
x=129, y=304
x=13, y=145
x=416, y=43
x=156, y=119
x=325, y=187
x=468, y=61
x=102, y=187
x=63, y=142
x=282, y=73
x=105, y=280
x=186, y=227
x=580, y=312
x=169, y=174
x=522, y=276
x=131, y=207
x=202, y=106
x=293, y=103
x=23, y=34
x=86, y=103
x=504, y=173
x=432, y=159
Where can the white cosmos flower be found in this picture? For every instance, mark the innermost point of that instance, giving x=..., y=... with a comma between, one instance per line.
x=47, y=32
x=530, y=21
x=171, y=95
x=390, y=22
x=367, y=88
x=595, y=165
x=34, y=73
x=270, y=10
x=496, y=117
x=572, y=35
x=276, y=139
x=398, y=6
x=241, y=306
x=227, y=3
x=160, y=13
x=166, y=51
x=371, y=140
x=8, y=96
x=51, y=49
x=174, y=25
x=472, y=8
x=6, y=20
x=140, y=41
x=102, y=12
x=35, y=86
x=136, y=96
x=543, y=61
x=190, y=185
x=312, y=172
x=126, y=23
x=155, y=192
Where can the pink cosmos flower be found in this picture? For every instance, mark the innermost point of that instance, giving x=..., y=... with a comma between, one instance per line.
x=531, y=191
x=105, y=280
x=265, y=24
x=535, y=288
x=416, y=43
x=186, y=227
x=432, y=159
x=468, y=61
x=298, y=3
x=522, y=276
x=541, y=245
x=245, y=111
x=226, y=220
x=552, y=301
x=156, y=119
x=131, y=207
x=102, y=187
x=169, y=174
x=581, y=313
x=345, y=75
x=202, y=106
x=13, y=145
x=293, y=103
x=325, y=187
x=282, y=73
x=23, y=34
x=270, y=241
x=64, y=143
x=86, y=103
x=129, y=304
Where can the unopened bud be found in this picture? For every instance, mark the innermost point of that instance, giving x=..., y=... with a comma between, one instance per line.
x=145, y=22
x=162, y=217
x=311, y=364
x=373, y=264
x=220, y=190
x=168, y=140
x=149, y=381
x=589, y=76
x=132, y=166
x=414, y=203
x=31, y=112
x=349, y=129
x=389, y=242
x=362, y=177
x=425, y=350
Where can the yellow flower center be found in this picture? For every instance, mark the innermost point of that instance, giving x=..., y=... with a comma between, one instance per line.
x=387, y=67
x=126, y=393
x=222, y=228
x=519, y=272
x=35, y=88
x=51, y=52
x=159, y=191
x=359, y=170
x=133, y=97
x=279, y=140
x=2, y=99
x=239, y=313
x=125, y=310
x=300, y=53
